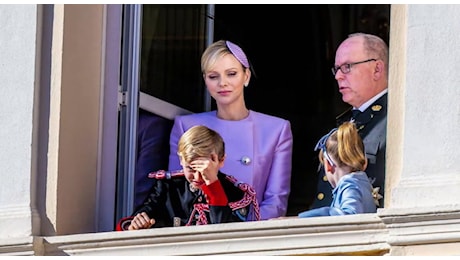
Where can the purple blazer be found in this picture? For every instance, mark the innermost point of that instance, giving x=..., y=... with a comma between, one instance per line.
x=259, y=152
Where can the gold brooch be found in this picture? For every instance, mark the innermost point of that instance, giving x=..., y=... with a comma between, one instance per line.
x=376, y=107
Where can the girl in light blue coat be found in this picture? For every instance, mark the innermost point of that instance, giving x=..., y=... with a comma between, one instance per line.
x=258, y=146
x=344, y=160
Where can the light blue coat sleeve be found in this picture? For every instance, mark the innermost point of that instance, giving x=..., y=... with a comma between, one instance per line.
x=353, y=195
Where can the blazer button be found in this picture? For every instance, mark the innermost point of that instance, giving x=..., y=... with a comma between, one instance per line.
x=324, y=178
x=245, y=160
x=320, y=196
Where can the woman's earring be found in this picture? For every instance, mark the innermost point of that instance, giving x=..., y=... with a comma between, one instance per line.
x=246, y=84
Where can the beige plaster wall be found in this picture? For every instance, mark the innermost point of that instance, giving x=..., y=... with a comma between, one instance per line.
x=76, y=83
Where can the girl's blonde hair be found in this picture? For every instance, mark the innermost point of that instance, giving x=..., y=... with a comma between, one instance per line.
x=346, y=148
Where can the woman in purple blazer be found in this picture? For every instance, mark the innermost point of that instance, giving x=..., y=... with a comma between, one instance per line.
x=258, y=146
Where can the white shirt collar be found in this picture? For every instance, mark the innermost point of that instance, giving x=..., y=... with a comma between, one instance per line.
x=372, y=100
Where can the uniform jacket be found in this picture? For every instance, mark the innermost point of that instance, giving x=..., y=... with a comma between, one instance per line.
x=171, y=202
x=353, y=195
x=372, y=127
x=259, y=152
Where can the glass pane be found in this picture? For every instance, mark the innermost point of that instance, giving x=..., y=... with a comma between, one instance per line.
x=173, y=38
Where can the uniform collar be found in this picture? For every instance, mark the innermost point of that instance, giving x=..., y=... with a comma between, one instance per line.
x=364, y=106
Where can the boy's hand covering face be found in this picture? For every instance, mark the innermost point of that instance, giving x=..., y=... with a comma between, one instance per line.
x=203, y=169
x=207, y=167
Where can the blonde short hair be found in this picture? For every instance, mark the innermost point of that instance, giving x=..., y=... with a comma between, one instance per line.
x=200, y=141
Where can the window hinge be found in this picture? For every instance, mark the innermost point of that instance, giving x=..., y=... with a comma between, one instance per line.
x=122, y=98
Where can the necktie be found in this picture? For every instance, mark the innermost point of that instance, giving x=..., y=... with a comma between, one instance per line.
x=355, y=113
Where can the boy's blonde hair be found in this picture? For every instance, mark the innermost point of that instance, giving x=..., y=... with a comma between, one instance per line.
x=200, y=141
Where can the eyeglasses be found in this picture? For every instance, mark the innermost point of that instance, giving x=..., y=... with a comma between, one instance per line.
x=346, y=68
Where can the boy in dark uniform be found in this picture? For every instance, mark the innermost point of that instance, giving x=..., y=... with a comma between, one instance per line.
x=199, y=194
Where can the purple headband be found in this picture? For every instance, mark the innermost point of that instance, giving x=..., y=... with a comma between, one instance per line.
x=238, y=53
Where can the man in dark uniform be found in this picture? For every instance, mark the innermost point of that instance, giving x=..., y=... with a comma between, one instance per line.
x=361, y=71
